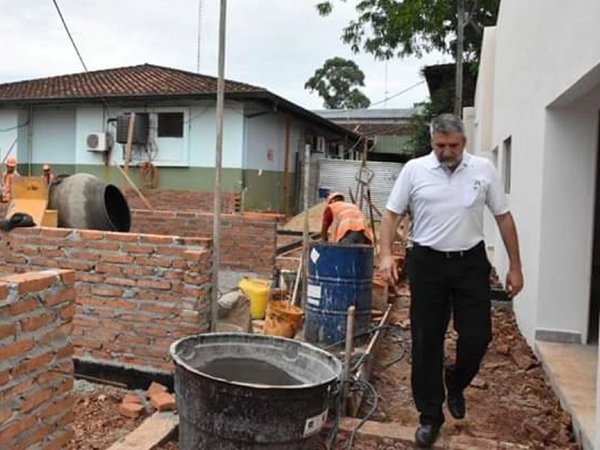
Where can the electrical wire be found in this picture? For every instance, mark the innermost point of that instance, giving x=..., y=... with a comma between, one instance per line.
x=397, y=94
x=16, y=127
x=369, y=414
x=69, y=34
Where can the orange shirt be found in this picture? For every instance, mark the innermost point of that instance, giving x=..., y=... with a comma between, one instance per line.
x=347, y=217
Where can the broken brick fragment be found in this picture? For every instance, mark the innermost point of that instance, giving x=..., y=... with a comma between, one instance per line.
x=163, y=401
x=155, y=388
x=132, y=410
x=132, y=398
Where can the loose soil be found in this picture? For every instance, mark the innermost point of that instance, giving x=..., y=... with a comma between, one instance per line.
x=510, y=400
x=98, y=423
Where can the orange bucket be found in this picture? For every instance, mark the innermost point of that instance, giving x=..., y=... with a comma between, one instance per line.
x=282, y=319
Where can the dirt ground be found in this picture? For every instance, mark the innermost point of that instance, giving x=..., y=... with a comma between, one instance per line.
x=510, y=400
x=98, y=423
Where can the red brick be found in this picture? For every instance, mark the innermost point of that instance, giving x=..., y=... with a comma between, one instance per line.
x=23, y=305
x=33, y=363
x=3, y=290
x=154, y=284
x=15, y=429
x=33, y=323
x=132, y=410
x=122, y=237
x=119, y=259
x=156, y=239
x=107, y=291
x=75, y=265
x=64, y=386
x=63, y=295
x=132, y=398
x=31, y=281
x=14, y=349
x=163, y=401
x=63, y=332
x=82, y=342
x=4, y=377
x=109, y=268
x=85, y=255
x=120, y=281
x=34, y=400
x=67, y=277
x=68, y=313
x=91, y=235
x=155, y=388
x=5, y=414
x=8, y=330
x=143, y=249
x=89, y=277
x=55, y=232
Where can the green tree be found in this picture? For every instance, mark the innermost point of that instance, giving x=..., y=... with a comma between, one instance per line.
x=388, y=28
x=336, y=83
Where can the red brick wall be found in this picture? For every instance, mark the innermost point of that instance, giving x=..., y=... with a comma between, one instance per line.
x=135, y=293
x=248, y=241
x=180, y=200
x=36, y=359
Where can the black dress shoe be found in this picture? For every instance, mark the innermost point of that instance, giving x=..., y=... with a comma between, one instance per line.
x=456, y=405
x=426, y=435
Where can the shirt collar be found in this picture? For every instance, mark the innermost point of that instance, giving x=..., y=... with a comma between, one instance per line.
x=433, y=162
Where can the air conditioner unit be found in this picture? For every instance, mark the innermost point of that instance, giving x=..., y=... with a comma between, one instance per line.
x=98, y=142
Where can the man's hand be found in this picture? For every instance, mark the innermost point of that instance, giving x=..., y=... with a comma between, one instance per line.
x=514, y=282
x=388, y=269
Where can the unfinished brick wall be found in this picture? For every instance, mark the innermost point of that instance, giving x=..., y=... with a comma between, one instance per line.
x=136, y=293
x=36, y=359
x=248, y=241
x=181, y=200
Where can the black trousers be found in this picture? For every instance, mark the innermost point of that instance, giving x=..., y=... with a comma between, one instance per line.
x=441, y=283
x=355, y=237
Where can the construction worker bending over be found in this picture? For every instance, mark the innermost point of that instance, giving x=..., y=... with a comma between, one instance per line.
x=343, y=222
x=47, y=174
x=11, y=171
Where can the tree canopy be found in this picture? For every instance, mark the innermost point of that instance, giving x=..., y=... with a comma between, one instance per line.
x=388, y=28
x=337, y=84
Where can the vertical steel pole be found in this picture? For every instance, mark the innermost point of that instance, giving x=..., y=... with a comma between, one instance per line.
x=460, y=38
x=305, y=233
x=218, y=164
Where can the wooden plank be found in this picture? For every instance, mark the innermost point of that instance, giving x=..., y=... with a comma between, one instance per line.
x=155, y=430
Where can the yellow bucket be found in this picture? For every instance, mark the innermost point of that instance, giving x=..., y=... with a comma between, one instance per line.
x=283, y=319
x=258, y=292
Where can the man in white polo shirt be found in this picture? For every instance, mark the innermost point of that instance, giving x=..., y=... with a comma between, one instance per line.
x=444, y=193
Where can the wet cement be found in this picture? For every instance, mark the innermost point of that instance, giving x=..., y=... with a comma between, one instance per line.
x=248, y=370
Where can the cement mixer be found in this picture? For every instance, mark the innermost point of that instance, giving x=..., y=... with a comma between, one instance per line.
x=81, y=201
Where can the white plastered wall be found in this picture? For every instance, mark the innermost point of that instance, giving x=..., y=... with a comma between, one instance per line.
x=539, y=58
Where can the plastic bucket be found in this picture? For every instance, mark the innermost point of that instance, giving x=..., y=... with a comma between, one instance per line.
x=282, y=319
x=257, y=291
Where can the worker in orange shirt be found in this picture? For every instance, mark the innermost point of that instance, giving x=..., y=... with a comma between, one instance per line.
x=343, y=222
x=47, y=174
x=11, y=171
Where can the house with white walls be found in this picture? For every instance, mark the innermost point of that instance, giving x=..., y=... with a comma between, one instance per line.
x=75, y=122
x=537, y=115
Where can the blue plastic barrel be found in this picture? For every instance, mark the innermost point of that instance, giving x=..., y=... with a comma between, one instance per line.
x=339, y=276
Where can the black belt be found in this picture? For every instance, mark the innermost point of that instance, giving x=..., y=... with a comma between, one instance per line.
x=450, y=255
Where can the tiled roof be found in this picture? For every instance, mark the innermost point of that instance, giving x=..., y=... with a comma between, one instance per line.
x=145, y=80
x=360, y=114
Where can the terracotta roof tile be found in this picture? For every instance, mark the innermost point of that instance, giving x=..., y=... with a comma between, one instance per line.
x=144, y=80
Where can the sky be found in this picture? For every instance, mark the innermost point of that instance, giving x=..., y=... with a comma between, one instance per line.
x=275, y=44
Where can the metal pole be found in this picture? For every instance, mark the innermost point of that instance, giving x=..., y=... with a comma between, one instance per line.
x=218, y=163
x=348, y=356
x=460, y=37
x=305, y=233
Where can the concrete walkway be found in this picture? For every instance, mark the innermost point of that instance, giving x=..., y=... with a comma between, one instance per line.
x=572, y=372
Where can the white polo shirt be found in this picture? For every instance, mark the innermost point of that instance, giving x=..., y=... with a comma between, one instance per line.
x=446, y=207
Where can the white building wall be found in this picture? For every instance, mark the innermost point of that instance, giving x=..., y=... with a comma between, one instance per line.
x=539, y=57
x=8, y=131
x=265, y=142
x=53, y=136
